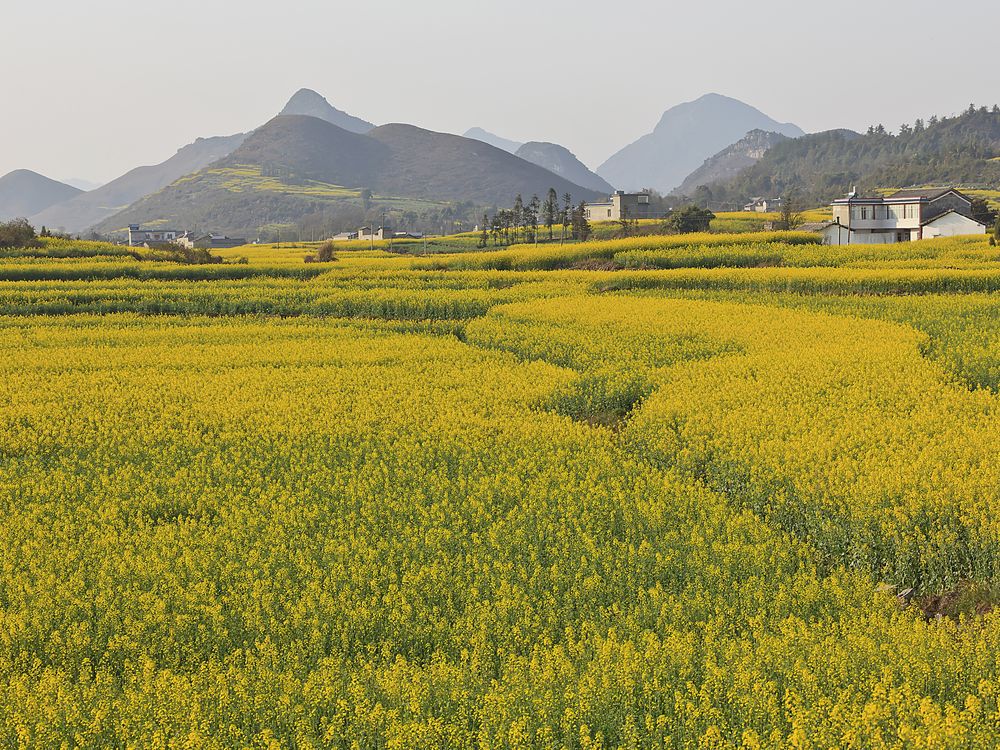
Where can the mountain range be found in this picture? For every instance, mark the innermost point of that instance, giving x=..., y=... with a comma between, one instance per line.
x=961, y=150
x=308, y=102
x=84, y=210
x=561, y=161
x=294, y=164
x=685, y=136
x=728, y=163
x=485, y=136
x=23, y=192
x=314, y=159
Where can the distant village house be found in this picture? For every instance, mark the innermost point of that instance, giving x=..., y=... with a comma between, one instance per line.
x=139, y=237
x=369, y=234
x=763, y=205
x=209, y=241
x=904, y=216
x=621, y=206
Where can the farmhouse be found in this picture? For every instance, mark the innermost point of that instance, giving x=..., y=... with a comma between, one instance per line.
x=763, y=205
x=620, y=206
x=209, y=241
x=904, y=216
x=382, y=233
x=139, y=237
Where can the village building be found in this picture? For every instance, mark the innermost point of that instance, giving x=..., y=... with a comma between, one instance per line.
x=139, y=237
x=763, y=205
x=903, y=216
x=620, y=206
x=209, y=241
x=382, y=233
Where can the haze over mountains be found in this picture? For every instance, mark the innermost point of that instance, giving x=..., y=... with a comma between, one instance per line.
x=561, y=161
x=315, y=158
x=308, y=102
x=732, y=160
x=84, y=210
x=294, y=164
x=23, y=192
x=962, y=150
x=494, y=140
x=685, y=136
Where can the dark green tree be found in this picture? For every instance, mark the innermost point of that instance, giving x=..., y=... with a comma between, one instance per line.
x=531, y=218
x=791, y=216
x=982, y=212
x=18, y=233
x=484, y=238
x=567, y=213
x=690, y=219
x=517, y=216
x=581, y=227
x=550, y=209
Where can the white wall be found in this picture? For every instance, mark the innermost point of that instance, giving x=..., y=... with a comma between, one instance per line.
x=952, y=225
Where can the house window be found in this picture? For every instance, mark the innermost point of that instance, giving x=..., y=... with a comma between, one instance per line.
x=643, y=199
x=609, y=213
x=864, y=213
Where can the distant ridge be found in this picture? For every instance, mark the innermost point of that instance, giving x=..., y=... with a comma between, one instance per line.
x=729, y=162
x=295, y=165
x=85, y=210
x=960, y=151
x=561, y=161
x=685, y=137
x=82, y=183
x=485, y=136
x=23, y=193
x=308, y=102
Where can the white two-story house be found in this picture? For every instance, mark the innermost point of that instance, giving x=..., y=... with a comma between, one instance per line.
x=904, y=216
x=621, y=206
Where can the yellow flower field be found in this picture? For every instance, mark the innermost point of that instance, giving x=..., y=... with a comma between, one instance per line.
x=499, y=500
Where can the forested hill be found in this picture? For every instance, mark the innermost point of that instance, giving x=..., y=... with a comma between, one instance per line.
x=960, y=150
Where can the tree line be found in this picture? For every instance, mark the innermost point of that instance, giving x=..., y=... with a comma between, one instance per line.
x=524, y=220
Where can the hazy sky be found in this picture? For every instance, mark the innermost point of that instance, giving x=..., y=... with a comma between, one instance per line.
x=92, y=89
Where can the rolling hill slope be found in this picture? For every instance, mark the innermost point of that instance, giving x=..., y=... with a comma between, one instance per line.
x=729, y=162
x=561, y=161
x=23, y=193
x=440, y=166
x=960, y=150
x=294, y=164
x=486, y=136
x=308, y=102
x=685, y=136
x=84, y=210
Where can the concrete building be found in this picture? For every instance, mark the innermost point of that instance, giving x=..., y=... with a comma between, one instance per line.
x=763, y=205
x=382, y=233
x=209, y=241
x=904, y=216
x=620, y=206
x=139, y=237
x=368, y=233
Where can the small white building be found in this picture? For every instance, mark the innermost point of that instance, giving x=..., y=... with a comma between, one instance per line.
x=139, y=237
x=209, y=241
x=904, y=216
x=382, y=233
x=763, y=205
x=620, y=206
